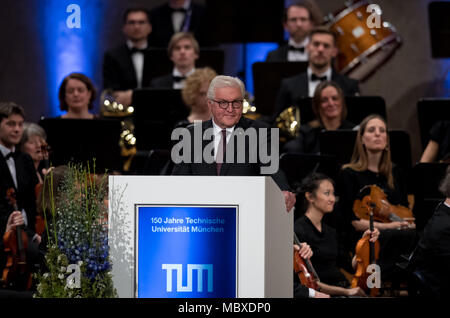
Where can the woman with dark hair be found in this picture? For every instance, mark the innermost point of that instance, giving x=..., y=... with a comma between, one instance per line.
x=317, y=193
x=371, y=165
x=76, y=96
x=328, y=104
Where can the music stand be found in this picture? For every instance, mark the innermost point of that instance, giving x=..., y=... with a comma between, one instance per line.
x=429, y=111
x=162, y=65
x=340, y=143
x=237, y=21
x=425, y=180
x=267, y=78
x=81, y=140
x=438, y=12
x=358, y=108
x=156, y=111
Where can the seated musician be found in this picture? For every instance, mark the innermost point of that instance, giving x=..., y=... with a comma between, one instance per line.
x=432, y=255
x=438, y=148
x=76, y=96
x=328, y=104
x=17, y=178
x=371, y=165
x=317, y=192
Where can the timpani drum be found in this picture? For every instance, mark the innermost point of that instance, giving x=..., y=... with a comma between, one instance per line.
x=364, y=40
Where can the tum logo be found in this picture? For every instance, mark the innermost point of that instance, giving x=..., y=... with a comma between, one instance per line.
x=190, y=272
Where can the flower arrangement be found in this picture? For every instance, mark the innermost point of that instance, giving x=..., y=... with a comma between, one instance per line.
x=77, y=257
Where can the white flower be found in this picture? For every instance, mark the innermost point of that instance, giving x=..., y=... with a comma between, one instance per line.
x=61, y=276
x=80, y=263
x=46, y=275
x=63, y=269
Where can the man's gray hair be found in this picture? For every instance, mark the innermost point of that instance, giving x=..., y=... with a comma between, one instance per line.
x=221, y=81
x=445, y=184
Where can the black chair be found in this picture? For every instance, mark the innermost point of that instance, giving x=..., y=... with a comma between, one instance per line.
x=429, y=111
x=267, y=78
x=162, y=65
x=425, y=180
x=358, y=108
x=340, y=144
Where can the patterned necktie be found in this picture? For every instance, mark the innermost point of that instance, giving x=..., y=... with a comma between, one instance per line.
x=221, y=151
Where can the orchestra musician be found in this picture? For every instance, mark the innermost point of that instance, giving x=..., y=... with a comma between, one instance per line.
x=76, y=96
x=371, y=165
x=317, y=193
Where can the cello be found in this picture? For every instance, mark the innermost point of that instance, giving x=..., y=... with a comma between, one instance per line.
x=366, y=253
x=16, y=273
x=304, y=269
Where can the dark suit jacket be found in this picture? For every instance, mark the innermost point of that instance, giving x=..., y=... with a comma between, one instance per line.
x=278, y=55
x=162, y=28
x=230, y=169
x=25, y=194
x=165, y=81
x=292, y=89
x=118, y=70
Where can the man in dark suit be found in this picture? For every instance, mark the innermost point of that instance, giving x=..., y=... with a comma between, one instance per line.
x=183, y=51
x=178, y=16
x=126, y=67
x=228, y=157
x=17, y=174
x=321, y=49
x=298, y=20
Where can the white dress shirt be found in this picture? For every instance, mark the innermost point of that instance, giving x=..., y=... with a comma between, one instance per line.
x=313, y=84
x=138, y=62
x=294, y=56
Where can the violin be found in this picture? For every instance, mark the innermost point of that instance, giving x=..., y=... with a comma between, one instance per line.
x=383, y=211
x=16, y=273
x=304, y=269
x=366, y=254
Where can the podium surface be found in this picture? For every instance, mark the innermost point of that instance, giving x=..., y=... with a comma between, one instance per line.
x=262, y=232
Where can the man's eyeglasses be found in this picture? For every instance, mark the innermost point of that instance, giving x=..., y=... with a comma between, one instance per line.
x=237, y=103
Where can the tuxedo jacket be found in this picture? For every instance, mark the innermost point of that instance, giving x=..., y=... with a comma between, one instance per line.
x=230, y=169
x=292, y=89
x=278, y=55
x=119, y=72
x=25, y=192
x=165, y=81
x=162, y=27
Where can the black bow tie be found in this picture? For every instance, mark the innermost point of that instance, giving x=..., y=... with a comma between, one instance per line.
x=178, y=79
x=296, y=49
x=183, y=10
x=136, y=50
x=12, y=154
x=314, y=77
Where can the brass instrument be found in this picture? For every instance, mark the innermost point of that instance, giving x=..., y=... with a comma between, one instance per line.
x=248, y=109
x=111, y=108
x=289, y=123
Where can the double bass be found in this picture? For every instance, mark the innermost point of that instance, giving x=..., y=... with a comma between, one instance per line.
x=304, y=269
x=16, y=274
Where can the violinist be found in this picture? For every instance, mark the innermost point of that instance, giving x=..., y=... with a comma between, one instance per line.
x=371, y=165
x=17, y=174
x=329, y=256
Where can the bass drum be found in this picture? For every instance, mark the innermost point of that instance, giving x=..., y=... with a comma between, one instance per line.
x=364, y=40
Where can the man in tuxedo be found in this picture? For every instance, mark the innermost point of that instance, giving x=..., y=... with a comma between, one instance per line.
x=126, y=67
x=18, y=176
x=298, y=20
x=321, y=50
x=227, y=157
x=183, y=51
x=178, y=16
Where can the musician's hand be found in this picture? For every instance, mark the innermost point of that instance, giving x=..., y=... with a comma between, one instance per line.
x=15, y=219
x=357, y=291
x=124, y=97
x=399, y=225
x=373, y=235
x=305, y=251
x=321, y=295
x=289, y=199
